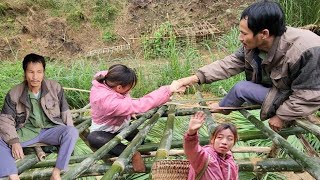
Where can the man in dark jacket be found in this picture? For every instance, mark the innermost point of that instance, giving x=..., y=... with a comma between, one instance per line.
x=35, y=111
x=281, y=64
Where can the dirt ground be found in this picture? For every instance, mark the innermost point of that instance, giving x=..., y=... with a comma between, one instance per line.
x=31, y=29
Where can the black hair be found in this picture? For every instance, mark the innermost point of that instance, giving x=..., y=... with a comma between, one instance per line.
x=119, y=74
x=33, y=58
x=224, y=126
x=265, y=14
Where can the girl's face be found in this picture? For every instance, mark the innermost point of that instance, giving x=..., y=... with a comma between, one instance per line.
x=122, y=89
x=223, y=142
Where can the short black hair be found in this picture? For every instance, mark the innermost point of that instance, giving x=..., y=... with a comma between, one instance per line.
x=34, y=58
x=265, y=14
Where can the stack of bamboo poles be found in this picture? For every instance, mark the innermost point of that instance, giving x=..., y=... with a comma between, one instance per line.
x=82, y=166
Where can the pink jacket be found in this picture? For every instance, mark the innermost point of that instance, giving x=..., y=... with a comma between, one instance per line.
x=113, y=109
x=218, y=168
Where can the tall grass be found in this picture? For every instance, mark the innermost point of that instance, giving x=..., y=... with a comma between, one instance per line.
x=302, y=12
x=226, y=45
x=161, y=44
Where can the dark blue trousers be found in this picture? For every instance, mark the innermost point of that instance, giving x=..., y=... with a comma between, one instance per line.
x=244, y=91
x=64, y=136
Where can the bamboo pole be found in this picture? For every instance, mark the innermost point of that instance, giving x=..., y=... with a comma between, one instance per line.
x=84, y=125
x=239, y=149
x=79, y=119
x=27, y=162
x=119, y=165
x=253, y=165
x=269, y=165
x=210, y=122
x=94, y=170
x=243, y=136
x=312, y=165
x=165, y=143
x=101, y=152
x=309, y=127
x=52, y=162
x=40, y=153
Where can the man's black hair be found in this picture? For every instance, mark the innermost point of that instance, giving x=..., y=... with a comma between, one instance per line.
x=34, y=58
x=265, y=14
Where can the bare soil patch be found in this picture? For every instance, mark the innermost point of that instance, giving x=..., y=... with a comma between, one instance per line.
x=35, y=30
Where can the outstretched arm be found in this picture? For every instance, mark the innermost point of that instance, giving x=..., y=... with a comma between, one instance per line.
x=194, y=152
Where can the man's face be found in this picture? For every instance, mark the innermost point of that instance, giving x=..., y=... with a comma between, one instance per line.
x=246, y=36
x=34, y=75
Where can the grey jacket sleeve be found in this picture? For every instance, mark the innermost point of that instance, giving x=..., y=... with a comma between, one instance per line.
x=222, y=69
x=7, y=122
x=64, y=108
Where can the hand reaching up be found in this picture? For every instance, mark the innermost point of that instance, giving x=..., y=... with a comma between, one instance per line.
x=176, y=86
x=196, y=122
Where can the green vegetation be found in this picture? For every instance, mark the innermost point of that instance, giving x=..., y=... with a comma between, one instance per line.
x=165, y=59
x=161, y=44
x=108, y=36
x=105, y=12
x=301, y=13
x=3, y=9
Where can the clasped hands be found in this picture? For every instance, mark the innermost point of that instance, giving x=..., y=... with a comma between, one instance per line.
x=180, y=85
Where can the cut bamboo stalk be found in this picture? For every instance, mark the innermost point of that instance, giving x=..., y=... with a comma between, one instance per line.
x=253, y=165
x=210, y=122
x=269, y=165
x=309, y=149
x=84, y=125
x=312, y=165
x=101, y=152
x=94, y=170
x=165, y=143
x=51, y=162
x=249, y=107
x=80, y=110
x=119, y=165
x=40, y=154
x=27, y=162
x=314, y=129
x=243, y=136
x=79, y=119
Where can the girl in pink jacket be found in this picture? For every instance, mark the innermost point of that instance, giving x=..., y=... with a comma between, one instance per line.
x=112, y=107
x=213, y=161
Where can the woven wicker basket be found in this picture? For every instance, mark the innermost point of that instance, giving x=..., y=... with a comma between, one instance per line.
x=170, y=170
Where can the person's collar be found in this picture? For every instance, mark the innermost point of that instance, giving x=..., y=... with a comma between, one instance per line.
x=272, y=51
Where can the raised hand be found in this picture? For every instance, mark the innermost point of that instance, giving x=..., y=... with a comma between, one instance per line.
x=196, y=122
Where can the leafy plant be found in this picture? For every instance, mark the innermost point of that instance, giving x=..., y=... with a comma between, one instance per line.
x=108, y=36
x=161, y=44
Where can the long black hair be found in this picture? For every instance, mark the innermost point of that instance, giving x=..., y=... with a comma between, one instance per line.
x=119, y=74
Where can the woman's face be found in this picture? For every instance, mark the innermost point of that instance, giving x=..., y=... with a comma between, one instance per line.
x=223, y=141
x=123, y=89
